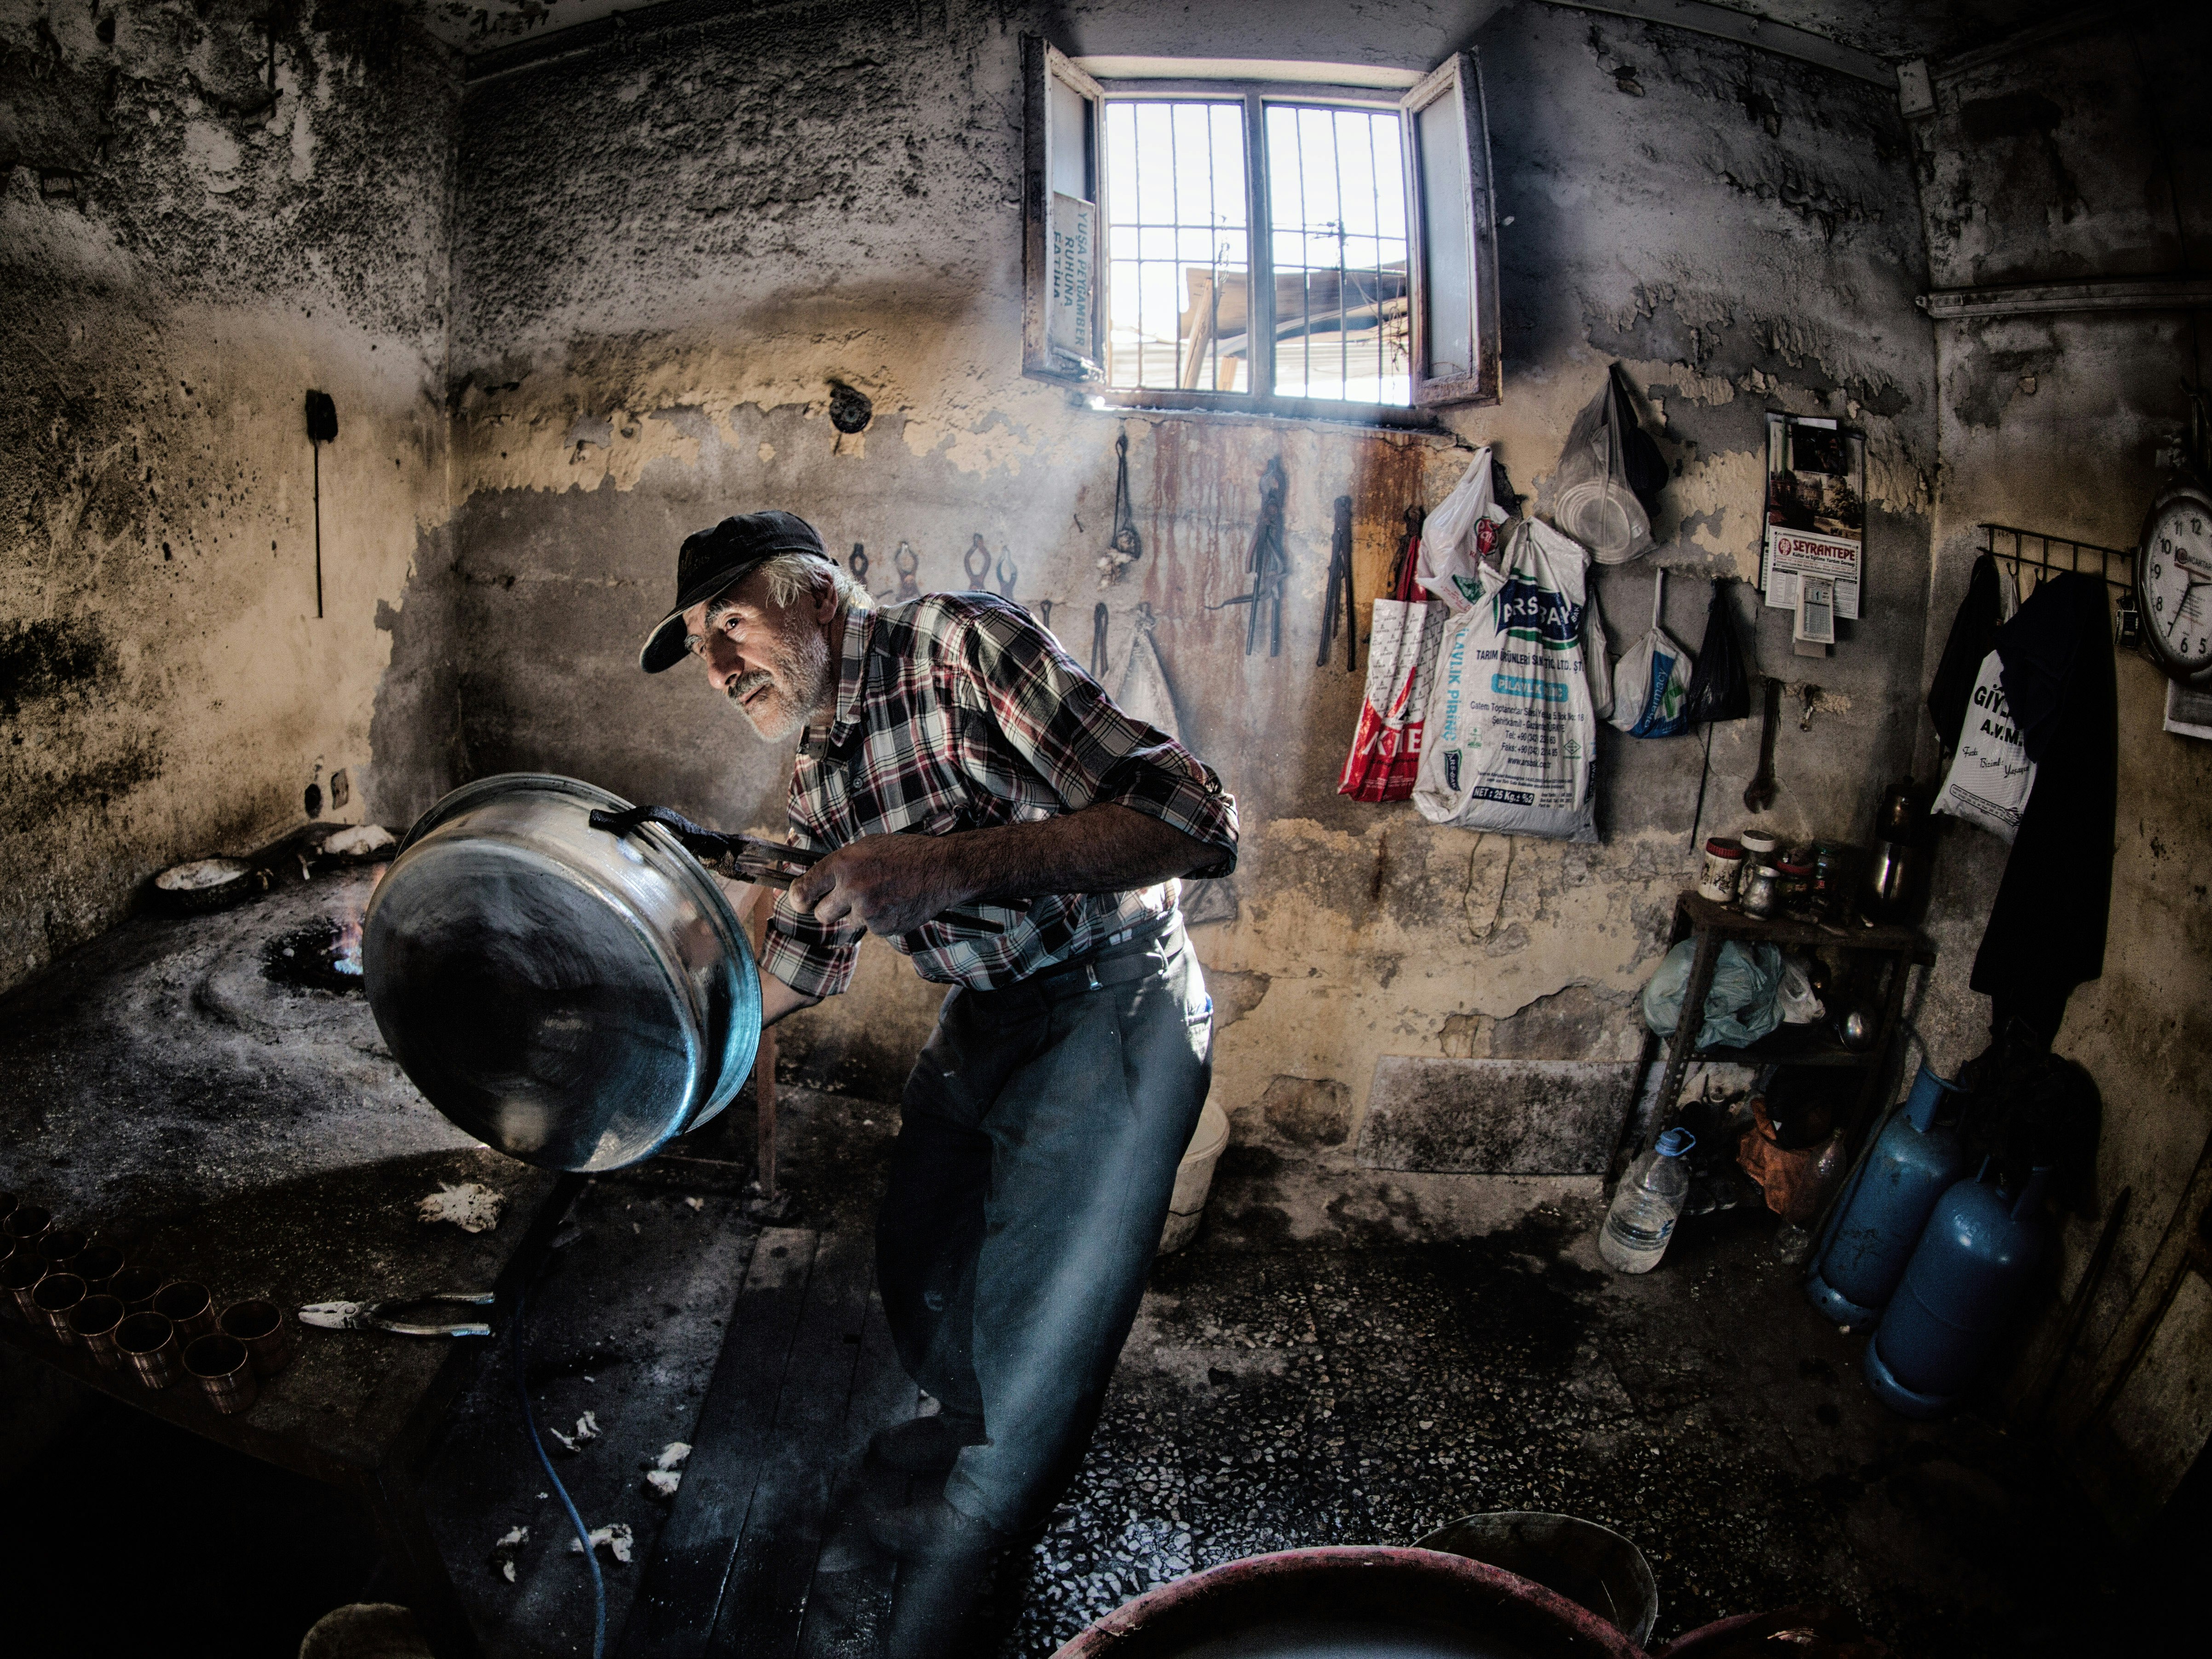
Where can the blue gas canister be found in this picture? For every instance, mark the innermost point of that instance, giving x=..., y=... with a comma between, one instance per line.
x=1912, y=1163
x=1966, y=1279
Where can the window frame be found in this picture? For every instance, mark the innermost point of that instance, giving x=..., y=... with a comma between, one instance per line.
x=1457, y=77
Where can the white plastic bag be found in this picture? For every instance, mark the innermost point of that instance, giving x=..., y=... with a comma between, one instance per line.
x=1458, y=538
x=1990, y=776
x=1510, y=731
x=1799, y=1005
x=1650, y=681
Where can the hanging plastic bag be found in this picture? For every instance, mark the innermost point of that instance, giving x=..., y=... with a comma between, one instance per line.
x=1593, y=497
x=1744, y=1004
x=1386, y=748
x=1651, y=682
x=1510, y=729
x=1459, y=536
x=1990, y=776
x=1796, y=998
x=1719, y=688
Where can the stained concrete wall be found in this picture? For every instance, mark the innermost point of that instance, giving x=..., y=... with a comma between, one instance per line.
x=2075, y=159
x=666, y=251
x=203, y=214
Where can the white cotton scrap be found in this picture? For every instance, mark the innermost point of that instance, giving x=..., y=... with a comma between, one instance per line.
x=567, y=1441
x=514, y=1535
x=663, y=1483
x=359, y=841
x=672, y=1455
x=507, y=1567
x=471, y=1206
x=614, y=1537
x=697, y=1203
x=588, y=1426
x=504, y=1551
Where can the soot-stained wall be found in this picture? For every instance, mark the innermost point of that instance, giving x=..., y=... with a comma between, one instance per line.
x=667, y=249
x=204, y=210
x=2086, y=158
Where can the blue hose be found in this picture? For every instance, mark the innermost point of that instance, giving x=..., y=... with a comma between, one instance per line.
x=583, y=1532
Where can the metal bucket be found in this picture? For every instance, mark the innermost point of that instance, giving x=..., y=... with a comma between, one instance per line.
x=1592, y=1566
x=573, y=999
x=1351, y=1604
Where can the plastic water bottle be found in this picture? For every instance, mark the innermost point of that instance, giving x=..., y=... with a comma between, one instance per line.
x=1642, y=1218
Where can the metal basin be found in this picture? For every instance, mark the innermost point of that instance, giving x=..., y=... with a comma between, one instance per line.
x=1351, y=1604
x=1591, y=1565
x=569, y=998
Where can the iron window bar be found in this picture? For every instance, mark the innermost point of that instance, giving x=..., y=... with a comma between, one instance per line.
x=2127, y=618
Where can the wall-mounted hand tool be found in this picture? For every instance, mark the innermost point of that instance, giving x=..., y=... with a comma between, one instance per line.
x=976, y=561
x=858, y=564
x=1336, y=606
x=1124, y=547
x=1006, y=572
x=1758, y=794
x=322, y=428
x=1099, y=641
x=1269, y=564
x=907, y=561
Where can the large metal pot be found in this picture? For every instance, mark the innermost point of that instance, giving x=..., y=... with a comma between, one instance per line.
x=571, y=998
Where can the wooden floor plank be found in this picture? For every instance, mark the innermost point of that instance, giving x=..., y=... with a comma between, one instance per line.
x=849, y=1602
x=775, y=1561
x=674, y=1615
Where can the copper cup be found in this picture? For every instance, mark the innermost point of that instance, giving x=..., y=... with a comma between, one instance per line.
x=96, y=1264
x=188, y=1306
x=148, y=1343
x=60, y=1248
x=27, y=1221
x=93, y=1322
x=135, y=1288
x=55, y=1299
x=224, y=1371
x=19, y=1276
x=261, y=1327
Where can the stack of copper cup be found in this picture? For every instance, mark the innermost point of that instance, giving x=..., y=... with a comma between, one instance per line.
x=129, y=1316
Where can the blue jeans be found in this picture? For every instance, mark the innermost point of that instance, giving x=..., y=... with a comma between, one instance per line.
x=1039, y=1136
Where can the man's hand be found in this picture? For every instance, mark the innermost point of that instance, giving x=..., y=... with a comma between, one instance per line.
x=891, y=883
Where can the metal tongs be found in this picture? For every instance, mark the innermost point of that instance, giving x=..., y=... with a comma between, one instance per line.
x=378, y=1316
x=746, y=858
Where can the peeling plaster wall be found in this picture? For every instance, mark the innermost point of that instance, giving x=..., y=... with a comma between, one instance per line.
x=203, y=215
x=665, y=251
x=2069, y=161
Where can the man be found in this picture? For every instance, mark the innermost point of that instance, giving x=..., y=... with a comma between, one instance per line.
x=957, y=760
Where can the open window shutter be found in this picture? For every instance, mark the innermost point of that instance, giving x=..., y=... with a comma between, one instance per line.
x=1063, y=321
x=1455, y=290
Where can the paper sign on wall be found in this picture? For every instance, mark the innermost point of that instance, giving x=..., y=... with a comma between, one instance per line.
x=1816, y=511
x=1070, y=322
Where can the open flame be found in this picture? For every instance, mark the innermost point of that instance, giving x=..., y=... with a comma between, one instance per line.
x=345, y=953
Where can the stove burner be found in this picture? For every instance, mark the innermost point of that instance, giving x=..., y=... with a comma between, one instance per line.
x=323, y=956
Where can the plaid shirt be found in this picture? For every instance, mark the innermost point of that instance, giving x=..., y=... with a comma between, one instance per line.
x=956, y=711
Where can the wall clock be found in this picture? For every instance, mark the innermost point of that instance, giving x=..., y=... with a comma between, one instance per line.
x=2173, y=584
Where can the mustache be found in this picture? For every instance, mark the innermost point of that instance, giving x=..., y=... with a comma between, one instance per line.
x=746, y=684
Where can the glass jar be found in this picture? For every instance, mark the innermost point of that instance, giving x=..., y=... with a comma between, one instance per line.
x=1831, y=878
x=1793, y=895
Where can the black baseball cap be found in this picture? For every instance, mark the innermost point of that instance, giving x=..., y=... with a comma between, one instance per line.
x=710, y=560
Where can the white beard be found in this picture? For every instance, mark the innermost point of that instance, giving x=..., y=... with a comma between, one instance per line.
x=797, y=681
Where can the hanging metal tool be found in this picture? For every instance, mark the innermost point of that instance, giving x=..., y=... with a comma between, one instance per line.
x=1336, y=606
x=1006, y=572
x=1269, y=564
x=858, y=564
x=1409, y=551
x=322, y=428
x=907, y=561
x=977, y=563
x=1124, y=547
x=1044, y=615
x=1098, y=642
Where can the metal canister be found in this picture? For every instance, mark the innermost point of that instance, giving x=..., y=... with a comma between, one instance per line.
x=1758, y=894
x=1723, y=866
x=1831, y=878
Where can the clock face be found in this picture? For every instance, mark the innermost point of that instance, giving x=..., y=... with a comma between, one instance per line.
x=2174, y=578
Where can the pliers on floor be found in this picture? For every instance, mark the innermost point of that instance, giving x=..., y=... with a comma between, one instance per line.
x=378, y=1316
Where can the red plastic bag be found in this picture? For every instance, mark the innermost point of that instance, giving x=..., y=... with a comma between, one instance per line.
x=1386, y=748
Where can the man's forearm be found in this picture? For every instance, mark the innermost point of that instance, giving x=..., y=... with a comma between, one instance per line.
x=1106, y=848
x=778, y=999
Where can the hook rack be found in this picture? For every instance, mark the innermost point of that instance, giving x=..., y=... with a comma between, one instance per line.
x=2127, y=625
